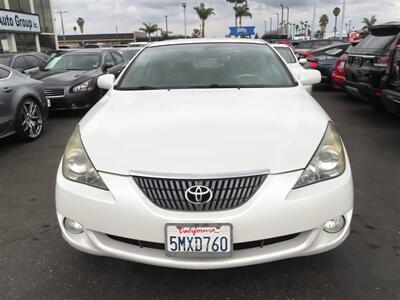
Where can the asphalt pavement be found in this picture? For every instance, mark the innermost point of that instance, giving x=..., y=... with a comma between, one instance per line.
x=36, y=263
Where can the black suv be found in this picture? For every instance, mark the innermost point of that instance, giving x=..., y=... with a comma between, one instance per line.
x=391, y=82
x=368, y=61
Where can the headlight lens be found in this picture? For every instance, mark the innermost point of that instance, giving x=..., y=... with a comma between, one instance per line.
x=77, y=166
x=88, y=85
x=328, y=161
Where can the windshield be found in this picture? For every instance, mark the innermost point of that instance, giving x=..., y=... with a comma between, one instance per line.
x=206, y=65
x=5, y=60
x=287, y=54
x=76, y=61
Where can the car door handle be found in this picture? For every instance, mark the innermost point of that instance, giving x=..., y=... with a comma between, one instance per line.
x=7, y=90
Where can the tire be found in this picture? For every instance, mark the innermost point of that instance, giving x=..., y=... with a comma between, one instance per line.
x=29, y=121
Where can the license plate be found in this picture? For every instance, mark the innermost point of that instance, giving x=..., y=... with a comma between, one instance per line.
x=198, y=240
x=48, y=103
x=342, y=65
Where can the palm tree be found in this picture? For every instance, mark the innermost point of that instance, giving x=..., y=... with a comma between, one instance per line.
x=75, y=29
x=236, y=4
x=323, y=22
x=369, y=23
x=336, y=13
x=297, y=28
x=242, y=11
x=203, y=14
x=149, y=29
x=81, y=23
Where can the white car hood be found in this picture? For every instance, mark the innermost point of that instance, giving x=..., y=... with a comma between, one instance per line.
x=204, y=131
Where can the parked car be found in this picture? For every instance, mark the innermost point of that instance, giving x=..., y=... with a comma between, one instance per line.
x=23, y=106
x=25, y=63
x=308, y=45
x=70, y=79
x=293, y=63
x=391, y=82
x=138, y=44
x=205, y=154
x=326, y=61
x=339, y=73
x=331, y=50
x=368, y=61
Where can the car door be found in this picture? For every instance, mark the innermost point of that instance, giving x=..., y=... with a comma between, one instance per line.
x=108, y=61
x=35, y=64
x=120, y=64
x=7, y=90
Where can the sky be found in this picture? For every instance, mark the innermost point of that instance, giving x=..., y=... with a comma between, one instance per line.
x=102, y=16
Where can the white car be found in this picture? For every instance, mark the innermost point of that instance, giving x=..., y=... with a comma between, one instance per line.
x=295, y=65
x=205, y=154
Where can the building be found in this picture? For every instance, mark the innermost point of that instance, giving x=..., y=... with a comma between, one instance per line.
x=27, y=25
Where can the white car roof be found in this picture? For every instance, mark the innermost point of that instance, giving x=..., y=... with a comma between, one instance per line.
x=280, y=46
x=206, y=40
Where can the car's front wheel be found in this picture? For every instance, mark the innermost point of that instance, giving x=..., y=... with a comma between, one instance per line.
x=29, y=121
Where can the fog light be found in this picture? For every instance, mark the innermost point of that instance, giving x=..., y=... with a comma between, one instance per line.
x=334, y=225
x=73, y=226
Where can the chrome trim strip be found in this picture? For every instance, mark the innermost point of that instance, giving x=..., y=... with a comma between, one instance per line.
x=138, y=173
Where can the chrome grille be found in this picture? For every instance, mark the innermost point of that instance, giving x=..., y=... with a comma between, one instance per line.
x=54, y=93
x=228, y=193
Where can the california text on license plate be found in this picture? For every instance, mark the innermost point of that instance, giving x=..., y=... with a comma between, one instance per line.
x=198, y=240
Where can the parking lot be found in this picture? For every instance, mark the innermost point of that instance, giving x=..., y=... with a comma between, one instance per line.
x=36, y=263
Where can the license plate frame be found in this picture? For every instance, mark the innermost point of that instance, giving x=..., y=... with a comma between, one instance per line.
x=204, y=254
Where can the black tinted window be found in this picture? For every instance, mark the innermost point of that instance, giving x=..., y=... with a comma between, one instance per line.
x=108, y=59
x=374, y=43
x=117, y=57
x=20, y=63
x=5, y=60
x=4, y=73
x=34, y=62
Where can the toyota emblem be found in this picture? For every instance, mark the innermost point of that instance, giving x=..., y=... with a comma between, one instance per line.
x=198, y=194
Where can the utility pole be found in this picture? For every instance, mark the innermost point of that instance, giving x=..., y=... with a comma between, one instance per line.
x=287, y=21
x=184, y=15
x=343, y=16
x=166, y=26
x=116, y=29
x=265, y=26
x=61, y=12
x=277, y=22
x=270, y=24
x=313, y=19
x=283, y=6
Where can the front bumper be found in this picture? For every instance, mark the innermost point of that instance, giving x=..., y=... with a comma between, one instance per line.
x=73, y=101
x=274, y=211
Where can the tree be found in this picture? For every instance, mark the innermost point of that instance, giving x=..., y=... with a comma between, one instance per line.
x=336, y=13
x=196, y=33
x=297, y=28
x=323, y=22
x=234, y=7
x=369, y=23
x=149, y=29
x=81, y=23
x=75, y=29
x=203, y=14
x=242, y=11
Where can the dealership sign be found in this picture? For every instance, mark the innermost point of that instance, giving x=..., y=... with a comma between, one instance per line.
x=12, y=21
x=242, y=31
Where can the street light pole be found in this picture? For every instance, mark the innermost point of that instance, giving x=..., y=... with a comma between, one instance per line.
x=166, y=26
x=265, y=26
x=287, y=21
x=184, y=15
x=343, y=16
x=283, y=6
x=61, y=12
x=313, y=20
x=270, y=24
x=277, y=22
x=116, y=29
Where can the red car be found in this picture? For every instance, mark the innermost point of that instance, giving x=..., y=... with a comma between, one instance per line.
x=339, y=73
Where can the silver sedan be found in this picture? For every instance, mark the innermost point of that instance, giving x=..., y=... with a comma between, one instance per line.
x=23, y=105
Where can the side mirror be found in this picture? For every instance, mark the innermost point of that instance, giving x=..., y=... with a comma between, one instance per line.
x=28, y=72
x=107, y=65
x=303, y=61
x=310, y=77
x=106, y=81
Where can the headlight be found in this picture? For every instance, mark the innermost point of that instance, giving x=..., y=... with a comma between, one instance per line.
x=88, y=85
x=328, y=161
x=77, y=166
